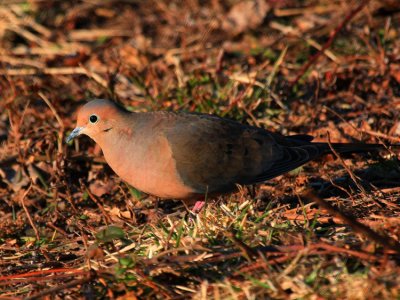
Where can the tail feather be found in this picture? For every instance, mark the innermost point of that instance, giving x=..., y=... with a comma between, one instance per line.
x=352, y=147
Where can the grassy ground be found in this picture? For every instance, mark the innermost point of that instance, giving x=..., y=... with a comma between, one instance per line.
x=70, y=228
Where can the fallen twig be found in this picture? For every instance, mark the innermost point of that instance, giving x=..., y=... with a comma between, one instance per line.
x=385, y=241
x=314, y=58
x=58, y=288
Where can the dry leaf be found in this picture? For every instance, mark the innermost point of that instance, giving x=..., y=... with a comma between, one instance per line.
x=99, y=189
x=95, y=252
x=15, y=177
x=245, y=15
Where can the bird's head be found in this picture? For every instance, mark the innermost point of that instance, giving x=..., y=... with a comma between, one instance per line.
x=96, y=118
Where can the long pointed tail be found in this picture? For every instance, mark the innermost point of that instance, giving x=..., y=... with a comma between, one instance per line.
x=352, y=147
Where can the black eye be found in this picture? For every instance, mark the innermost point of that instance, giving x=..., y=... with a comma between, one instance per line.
x=93, y=119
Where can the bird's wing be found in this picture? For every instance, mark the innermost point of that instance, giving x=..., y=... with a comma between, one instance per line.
x=214, y=154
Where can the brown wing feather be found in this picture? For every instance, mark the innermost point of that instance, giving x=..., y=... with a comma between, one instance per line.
x=214, y=154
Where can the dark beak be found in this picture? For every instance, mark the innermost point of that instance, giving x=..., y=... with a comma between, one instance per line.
x=77, y=131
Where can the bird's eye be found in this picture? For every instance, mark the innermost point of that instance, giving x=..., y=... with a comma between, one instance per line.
x=93, y=119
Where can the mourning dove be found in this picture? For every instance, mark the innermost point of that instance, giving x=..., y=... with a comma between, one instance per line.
x=190, y=155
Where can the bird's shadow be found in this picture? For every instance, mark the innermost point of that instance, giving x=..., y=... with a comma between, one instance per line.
x=382, y=176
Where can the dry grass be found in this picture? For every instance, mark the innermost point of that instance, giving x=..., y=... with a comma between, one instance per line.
x=70, y=228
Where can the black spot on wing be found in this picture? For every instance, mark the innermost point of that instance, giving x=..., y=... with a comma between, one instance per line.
x=301, y=137
x=229, y=149
x=259, y=141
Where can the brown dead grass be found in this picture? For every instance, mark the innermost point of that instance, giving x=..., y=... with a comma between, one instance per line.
x=257, y=62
